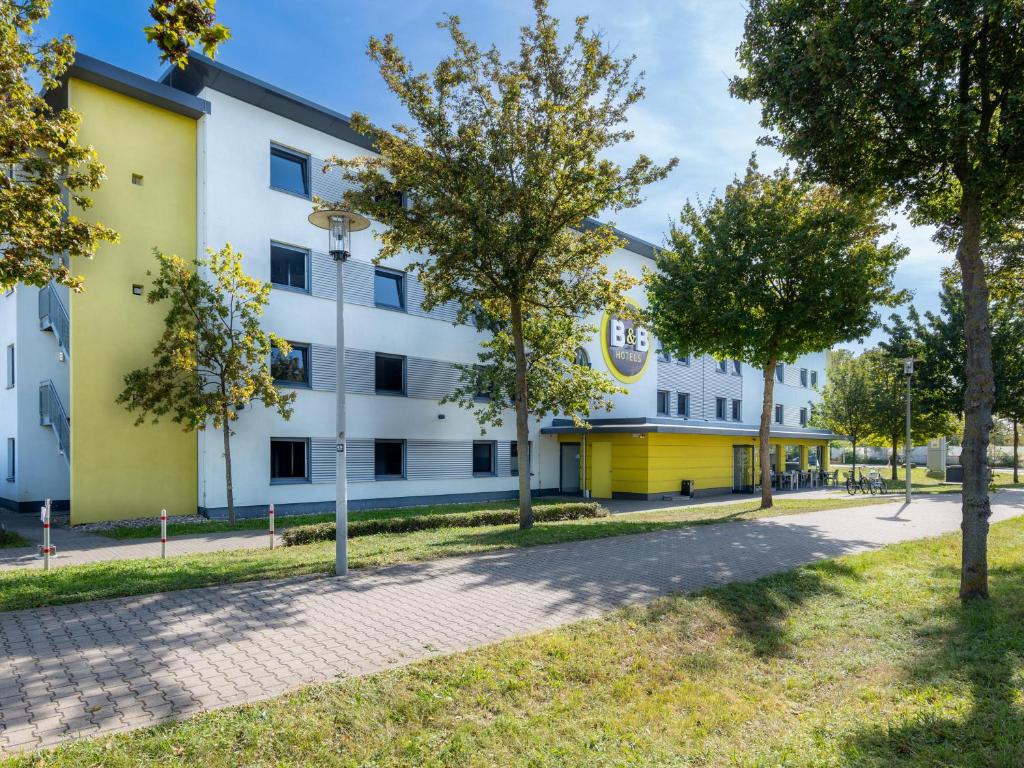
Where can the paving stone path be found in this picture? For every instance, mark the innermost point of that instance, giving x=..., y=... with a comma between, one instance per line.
x=92, y=668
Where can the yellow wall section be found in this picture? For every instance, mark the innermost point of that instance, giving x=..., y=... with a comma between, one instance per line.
x=119, y=470
x=656, y=462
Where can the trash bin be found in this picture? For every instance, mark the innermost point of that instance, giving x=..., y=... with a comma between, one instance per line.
x=687, y=488
x=954, y=473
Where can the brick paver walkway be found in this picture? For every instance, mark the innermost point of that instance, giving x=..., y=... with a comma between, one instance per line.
x=111, y=665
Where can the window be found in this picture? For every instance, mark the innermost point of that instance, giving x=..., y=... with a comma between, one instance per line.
x=389, y=374
x=686, y=360
x=137, y=179
x=389, y=459
x=582, y=358
x=803, y=417
x=10, y=459
x=814, y=379
x=514, y=454
x=779, y=414
x=803, y=377
x=780, y=373
x=723, y=366
x=792, y=457
x=483, y=457
x=389, y=289
x=289, y=171
x=289, y=267
x=737, y=410
x=293, y=369
x=288, y=461
x=664, y=357
x=10, y=366
x=662, y=402
x=682, y=403
x=720, y=408
x=737, y=368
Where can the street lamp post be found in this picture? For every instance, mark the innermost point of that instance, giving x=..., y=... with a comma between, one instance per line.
x=340, y=224
x=908, y=371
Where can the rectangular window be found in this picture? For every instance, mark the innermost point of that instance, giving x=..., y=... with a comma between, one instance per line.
x=662, y=402
x=803, y=417
x=814, y=379
x=780, y=373
x=483, y=457
x=682, y=403
x=288, y=462
x=737, y=368
x=720, y=406
x=664, y=356
x=289, y=171
x=293, y=369
x=289, y=267
x=389, y=459
x=389, y=374
x=803, y=377
x=10, y=459
x=723, y=366
x=514, y=453
x=10, y=366
x=779, y=414
x=481, y=383
x=389, y=289
x=737, y=410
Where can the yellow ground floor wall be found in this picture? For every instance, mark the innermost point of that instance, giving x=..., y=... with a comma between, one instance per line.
x=119, y=470
x=654, y=463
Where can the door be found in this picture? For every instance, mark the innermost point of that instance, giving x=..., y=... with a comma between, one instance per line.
x=570, y=468
x=742, y=468
x=601, y=470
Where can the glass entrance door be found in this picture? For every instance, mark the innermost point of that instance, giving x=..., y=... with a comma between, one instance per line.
x=743, y=469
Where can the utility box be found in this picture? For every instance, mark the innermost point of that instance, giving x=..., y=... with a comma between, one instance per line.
x=954, y=473
x=687, y=488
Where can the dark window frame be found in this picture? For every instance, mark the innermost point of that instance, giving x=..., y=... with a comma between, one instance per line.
x=377, y=390
x=780, y=414
x=661, y=397
x=513, y=455
x=581, y=358
x=737, y=410
x=494, y=458
x=805, y=417
x=403, y=286
x=721, y=408
x=404, y=449
x=814, y=379
x=307, y=368
x=12, y=461
x=723, y=365
x=11, y=374
x=737, y=368
x=685, y=410
x=308, y=273
x=304, y=158
x=292, y=480
x=804, y=378
x=780, y=373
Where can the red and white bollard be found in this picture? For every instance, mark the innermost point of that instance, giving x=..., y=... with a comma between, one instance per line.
x=163, y=533
x=44, y=513
x=270, y=518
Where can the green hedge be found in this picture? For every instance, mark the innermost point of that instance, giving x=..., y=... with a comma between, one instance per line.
x=546, y=513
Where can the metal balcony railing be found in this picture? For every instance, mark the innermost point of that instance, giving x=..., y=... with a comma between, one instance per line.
x=53, y=316
x=53, y=415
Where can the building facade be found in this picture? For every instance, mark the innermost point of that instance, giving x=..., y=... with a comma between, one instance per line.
x=210, y=155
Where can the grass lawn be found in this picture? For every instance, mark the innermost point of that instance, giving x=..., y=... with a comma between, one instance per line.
x=23, y=588
x=922, y=481
x=9, y=539
x=866, y=661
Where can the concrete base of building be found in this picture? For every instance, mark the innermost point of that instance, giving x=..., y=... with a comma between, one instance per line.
x=32, y=507
x=698, y=493
x=355, y=505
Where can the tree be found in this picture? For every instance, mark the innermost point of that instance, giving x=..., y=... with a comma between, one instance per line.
x=501, y=166
x=917, y=101
x=774, y=269
x=212, y=359
x=40, y=159
x=844, y=398
x=1008, y=350
x=180, y=24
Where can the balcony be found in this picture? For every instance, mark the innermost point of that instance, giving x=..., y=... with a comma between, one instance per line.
x=53, y=415
x=53, y=316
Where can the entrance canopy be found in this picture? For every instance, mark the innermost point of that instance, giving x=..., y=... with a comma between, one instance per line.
x=668, y=425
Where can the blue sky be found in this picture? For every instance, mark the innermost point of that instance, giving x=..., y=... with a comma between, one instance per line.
x=317, y=48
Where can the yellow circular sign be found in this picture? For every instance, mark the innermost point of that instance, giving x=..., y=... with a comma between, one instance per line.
x=626, y=346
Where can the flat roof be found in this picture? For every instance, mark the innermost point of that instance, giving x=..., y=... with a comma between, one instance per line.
x=93, y=70
x=203, y=72
x=669, y=425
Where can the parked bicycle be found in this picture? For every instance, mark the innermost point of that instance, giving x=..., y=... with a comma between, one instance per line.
x=873, y=483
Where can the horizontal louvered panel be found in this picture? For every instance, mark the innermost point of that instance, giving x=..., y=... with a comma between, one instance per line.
x=439, y=459
x=324, y=372
x=359, y=371
x=359, y=461
x=324, y=280
x=504, y=458
x=414, y=298
x=433, y=379
x=322, y=460
x=329, y=186
x=359, y=282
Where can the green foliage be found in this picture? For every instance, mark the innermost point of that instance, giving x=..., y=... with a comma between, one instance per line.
x=548, y=513
x=501, y=165
x=43, y=169
x=844, y=398
x=180, y=24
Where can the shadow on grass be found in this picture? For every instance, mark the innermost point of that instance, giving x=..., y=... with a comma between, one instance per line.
x=974, y=651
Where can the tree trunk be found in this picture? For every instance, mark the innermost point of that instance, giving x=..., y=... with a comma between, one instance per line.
x=854, y=469
x=895, y=460
x=227, y=470
x=767, y=406
x=978, y=400
x=1016, y=448
x=522, y=418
